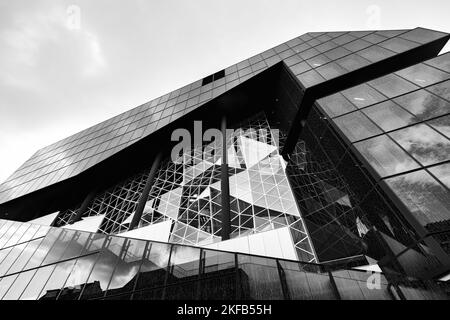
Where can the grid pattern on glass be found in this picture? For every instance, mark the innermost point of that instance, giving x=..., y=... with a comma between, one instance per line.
x=185, y=198
x=121, y=268
x=114, y=206
x=420, y=112
x=75, y=154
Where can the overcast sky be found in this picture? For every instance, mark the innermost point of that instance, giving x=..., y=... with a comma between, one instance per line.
x=61, y=71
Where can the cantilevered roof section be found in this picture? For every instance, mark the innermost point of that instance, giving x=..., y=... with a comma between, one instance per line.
x=313, y=58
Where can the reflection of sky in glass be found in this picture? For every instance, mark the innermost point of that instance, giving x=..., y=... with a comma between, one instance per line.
x=442, y=172
x=423, y=195
x=423, y=104
x=389, y=116
x=385, y=156
x=423, y=143
x=356, y=126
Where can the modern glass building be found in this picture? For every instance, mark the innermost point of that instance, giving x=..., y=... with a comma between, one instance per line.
x=318, y=169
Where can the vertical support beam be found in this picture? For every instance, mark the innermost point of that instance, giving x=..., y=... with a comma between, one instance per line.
x=144, y=196
x=84, y=206
x=225, y=184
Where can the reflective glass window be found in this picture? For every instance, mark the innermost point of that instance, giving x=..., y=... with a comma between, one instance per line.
x=259, y=278
x=423, y=104
x=335, y=105
x=356, y=126
x=363, y=95
x=43, y=249
x=300, y=68
x=127, y=267
x=331, y=70
x=153, y=270
x=425, y=197
x=423, y=75
x=421, y=35
x=442, y=173
x=15, y=238
x=398, y=44
x=375, y=53
x=441, y=124
x=442, y=62
x=59, y=247
x=423, y=143
x=441, y=89
x=77, y=277
x=352, y=62
x=54, y=284
x=392, y=85
x=310, y=78
x=317, y=61
x=389, y=116
x=104, y=266
x=37, y=283
x=304, y=285
x=13, y=254
x=20, y=283
x=9, y=233
x=385, y=156
x=25, y=255
x=5, y=283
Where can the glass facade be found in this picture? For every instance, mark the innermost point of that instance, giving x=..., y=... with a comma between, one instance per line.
x=323, y=180
x=313, y=58
x=93, y=266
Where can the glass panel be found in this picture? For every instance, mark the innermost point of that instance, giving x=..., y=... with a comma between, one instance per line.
x=184, y=264
x=363, y=96
x=77, y=277
x=215, y=261
x=423, y=143
x=352, y=62
x=14, y=239
x=101, y=273
x=43, y=248
x=441, y=89
x=9, y=233
x=37, y=283
x=57, y=251
x=441, y=124
x=336, y=105
x=5, y=283
x=300, y=288
x=11, y=257
x=25, y=255
x=16, y=289
x=425, y=197
x=385, y=156
x=423, y=75
x=389, y=116
x=442, y=172
x=442, y=62
x=124, y=276
x=259, y=278
x=398, y=44
x=375, y=53
x=356, y=126
x=423, y=104
x=392, y=85
x=153, y=269
x=56, y=282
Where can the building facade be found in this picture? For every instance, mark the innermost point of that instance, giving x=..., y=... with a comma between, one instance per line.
x=318, y=169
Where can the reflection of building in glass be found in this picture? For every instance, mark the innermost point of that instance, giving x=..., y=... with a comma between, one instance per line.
x=338, y=161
